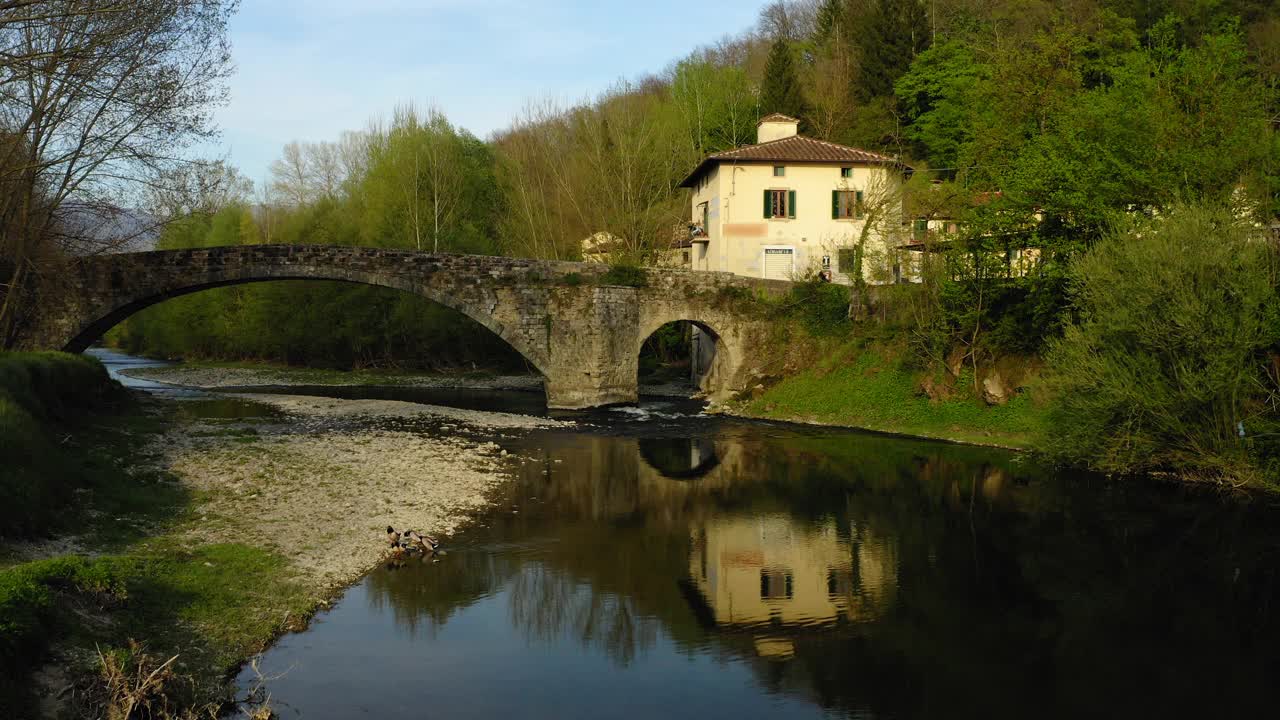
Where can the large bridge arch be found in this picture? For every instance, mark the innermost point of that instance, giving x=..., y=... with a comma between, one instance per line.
x=99, y=319
x=581, y=333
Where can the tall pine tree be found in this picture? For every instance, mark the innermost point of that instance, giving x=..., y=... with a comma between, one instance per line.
x=897, y=31
x=780, y=92
x=830, y=17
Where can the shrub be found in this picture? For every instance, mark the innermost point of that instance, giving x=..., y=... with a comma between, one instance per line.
x=626, y=275
x=822, y=307
x=1165, y=363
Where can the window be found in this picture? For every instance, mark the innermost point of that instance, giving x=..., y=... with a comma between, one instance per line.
x=848, y=258
x=779, y=204
x=846, y=172
x=921, y=230
x=776, y=585
x=779, y=171
x=846, y=204
x=839, y=583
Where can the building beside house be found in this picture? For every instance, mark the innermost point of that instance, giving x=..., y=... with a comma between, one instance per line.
x=791, y=206
x=936, y=220
x=605, y=247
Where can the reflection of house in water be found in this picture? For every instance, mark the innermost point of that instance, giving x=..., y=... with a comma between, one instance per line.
x=774, y=570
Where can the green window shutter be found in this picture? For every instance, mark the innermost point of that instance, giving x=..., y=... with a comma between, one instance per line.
x=768, y=206
x=857, y=207
x=835, y=204
x=791, y=204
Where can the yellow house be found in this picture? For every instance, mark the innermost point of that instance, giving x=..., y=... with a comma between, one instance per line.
x=791, y=206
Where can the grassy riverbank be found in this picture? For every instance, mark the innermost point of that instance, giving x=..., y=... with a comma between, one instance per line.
x=94, y=556
x=873, y=389
x=43, y=397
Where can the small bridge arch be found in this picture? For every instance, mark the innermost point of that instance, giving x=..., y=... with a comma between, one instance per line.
x=583, y=336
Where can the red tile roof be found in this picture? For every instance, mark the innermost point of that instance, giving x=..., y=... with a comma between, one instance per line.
x=796, y=149
x=776, y=117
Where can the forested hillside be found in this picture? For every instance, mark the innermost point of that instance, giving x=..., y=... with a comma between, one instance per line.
x=1043, y=130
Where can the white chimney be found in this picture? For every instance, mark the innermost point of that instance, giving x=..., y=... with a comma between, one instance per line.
x=776, y=127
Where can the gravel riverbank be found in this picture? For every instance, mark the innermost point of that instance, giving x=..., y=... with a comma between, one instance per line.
x=320, y=484
x=211, y=377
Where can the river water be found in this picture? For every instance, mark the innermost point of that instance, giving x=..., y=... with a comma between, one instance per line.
x=658, y=563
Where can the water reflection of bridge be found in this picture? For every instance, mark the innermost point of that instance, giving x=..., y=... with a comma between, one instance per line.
x=680, y=458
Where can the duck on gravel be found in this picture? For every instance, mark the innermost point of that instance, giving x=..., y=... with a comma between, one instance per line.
x=425, y=543
x=393, y=537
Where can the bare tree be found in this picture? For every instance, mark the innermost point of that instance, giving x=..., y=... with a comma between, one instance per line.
x=353, y=155
x=789, y=19
x=198, y=188
x=325, y=164
x=98, y=100
x=292, y=175
x=535, y=184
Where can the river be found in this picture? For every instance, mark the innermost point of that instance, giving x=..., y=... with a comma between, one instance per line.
x=654, y=562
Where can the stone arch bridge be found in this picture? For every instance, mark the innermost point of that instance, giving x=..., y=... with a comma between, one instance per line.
x=583, y=334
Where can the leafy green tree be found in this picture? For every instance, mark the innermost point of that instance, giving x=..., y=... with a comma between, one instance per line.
x=1175, y=124
x=428, y=186
x=937, y=96
x=781, y=92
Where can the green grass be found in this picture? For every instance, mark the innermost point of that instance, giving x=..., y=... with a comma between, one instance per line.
x=29, y=620
x=45, y=398
x=871, y=389
x=212, y=606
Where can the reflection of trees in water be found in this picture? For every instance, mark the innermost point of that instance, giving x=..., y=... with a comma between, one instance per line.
x=423, y=595
x=547, y=604
x=1012, y=592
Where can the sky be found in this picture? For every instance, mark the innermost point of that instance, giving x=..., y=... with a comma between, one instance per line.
x=309, y=69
